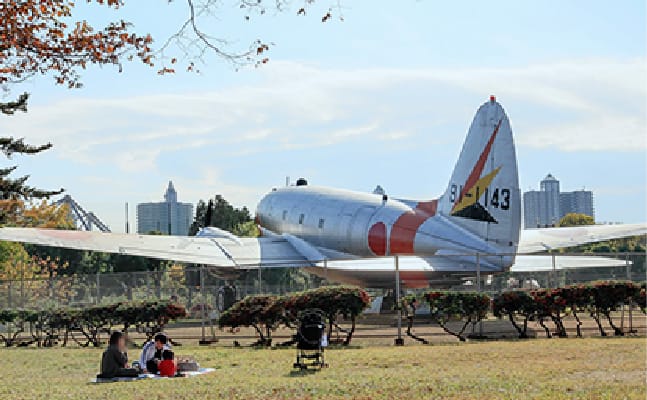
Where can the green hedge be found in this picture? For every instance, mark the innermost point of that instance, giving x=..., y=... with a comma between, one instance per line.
x=46, y=327
x=266, y=313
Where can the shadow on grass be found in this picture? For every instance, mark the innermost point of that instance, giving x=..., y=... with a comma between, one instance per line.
x=302, y=372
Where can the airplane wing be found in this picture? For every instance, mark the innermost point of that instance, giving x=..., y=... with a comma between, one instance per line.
x=544, y=263
x=222, y=251
x=542, y=239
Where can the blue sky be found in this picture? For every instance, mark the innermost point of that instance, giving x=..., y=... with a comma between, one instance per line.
x=389, y=91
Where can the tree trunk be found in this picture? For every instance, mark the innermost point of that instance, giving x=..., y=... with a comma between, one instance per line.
x=579, y=323
x=349, y=333
x=521, y=331
x=596, y=316
x=541, y=322
x=616, y=331
x=559, y=326
x=410, y=333
x=447, y=330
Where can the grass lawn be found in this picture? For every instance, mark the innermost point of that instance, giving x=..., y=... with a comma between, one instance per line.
x=593, y=368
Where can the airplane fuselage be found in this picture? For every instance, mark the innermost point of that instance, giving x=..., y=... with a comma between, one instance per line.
x=362, y=224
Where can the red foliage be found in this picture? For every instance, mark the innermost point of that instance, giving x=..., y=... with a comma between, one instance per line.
x=37, y=38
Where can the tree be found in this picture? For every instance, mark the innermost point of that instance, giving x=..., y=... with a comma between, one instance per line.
x=13, y=258
x=17, y=189
x=39, y=37
x=575, y=219
x=40, y=215
x=220, y=214
x=36, y=39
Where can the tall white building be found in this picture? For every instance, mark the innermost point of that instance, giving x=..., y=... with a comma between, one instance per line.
x=546, y=206
x=169, y=217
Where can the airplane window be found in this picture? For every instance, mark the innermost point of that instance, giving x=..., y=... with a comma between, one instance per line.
x=301, y=219
x=321, y=223
x=285, y=214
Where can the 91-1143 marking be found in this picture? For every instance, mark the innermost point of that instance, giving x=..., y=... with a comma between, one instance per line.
x=497, y=198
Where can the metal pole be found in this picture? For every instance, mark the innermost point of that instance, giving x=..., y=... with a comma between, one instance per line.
x=628, y=265
x=9, y=330
x=98, y=299
x=478, y=272
x=202, y=301
x=9, y=302
x=326, y=270
x=478, y=286
x=398, y=341
x=22, y=284
x=631, y=302
x=552, y=283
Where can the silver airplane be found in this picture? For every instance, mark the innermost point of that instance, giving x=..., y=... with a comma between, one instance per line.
x=350, y=237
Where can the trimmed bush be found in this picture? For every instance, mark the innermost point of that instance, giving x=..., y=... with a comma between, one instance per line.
x=266, y=313
x=467, y=307
x=46, y=326
x=255, y=311
x=609, y=296
x=550, y=303
x=515, y=304
x=599, y=299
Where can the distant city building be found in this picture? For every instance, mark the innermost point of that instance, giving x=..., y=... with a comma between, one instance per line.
x=169, y=217
x=579, y=201
x=541, y=207
x=546, y=206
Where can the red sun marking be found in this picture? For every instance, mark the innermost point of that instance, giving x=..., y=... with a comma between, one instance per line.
x=377, y=238
x=406, y=226
x=414, y=279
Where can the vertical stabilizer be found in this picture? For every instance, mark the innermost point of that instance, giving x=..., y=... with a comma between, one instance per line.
x=483, y=193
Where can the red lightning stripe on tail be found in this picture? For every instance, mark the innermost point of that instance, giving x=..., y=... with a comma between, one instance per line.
x=480, y=164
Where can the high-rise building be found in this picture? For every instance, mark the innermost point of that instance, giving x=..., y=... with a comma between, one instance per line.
x=169, y=217
x=541, y=207
x=546, y=206
x=578, y=201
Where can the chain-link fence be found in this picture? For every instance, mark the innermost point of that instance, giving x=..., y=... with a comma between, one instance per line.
x=206, y=291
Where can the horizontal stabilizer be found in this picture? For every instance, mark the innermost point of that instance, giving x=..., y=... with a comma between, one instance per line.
x=538, y=240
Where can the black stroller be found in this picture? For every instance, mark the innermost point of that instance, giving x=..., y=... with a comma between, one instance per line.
x=309, y=338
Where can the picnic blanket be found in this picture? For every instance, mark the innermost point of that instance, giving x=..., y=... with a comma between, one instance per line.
x=188, y=374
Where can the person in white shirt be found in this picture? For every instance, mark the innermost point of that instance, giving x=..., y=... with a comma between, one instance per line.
x=152, y=353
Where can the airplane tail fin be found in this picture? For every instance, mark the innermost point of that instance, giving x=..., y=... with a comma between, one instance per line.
x=483, y=194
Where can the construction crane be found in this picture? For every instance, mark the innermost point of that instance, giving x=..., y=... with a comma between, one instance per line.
x=84, y=220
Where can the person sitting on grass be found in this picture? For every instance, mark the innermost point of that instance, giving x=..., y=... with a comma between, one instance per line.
x=114, y=362
x=167, y=366
x=152, y=353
